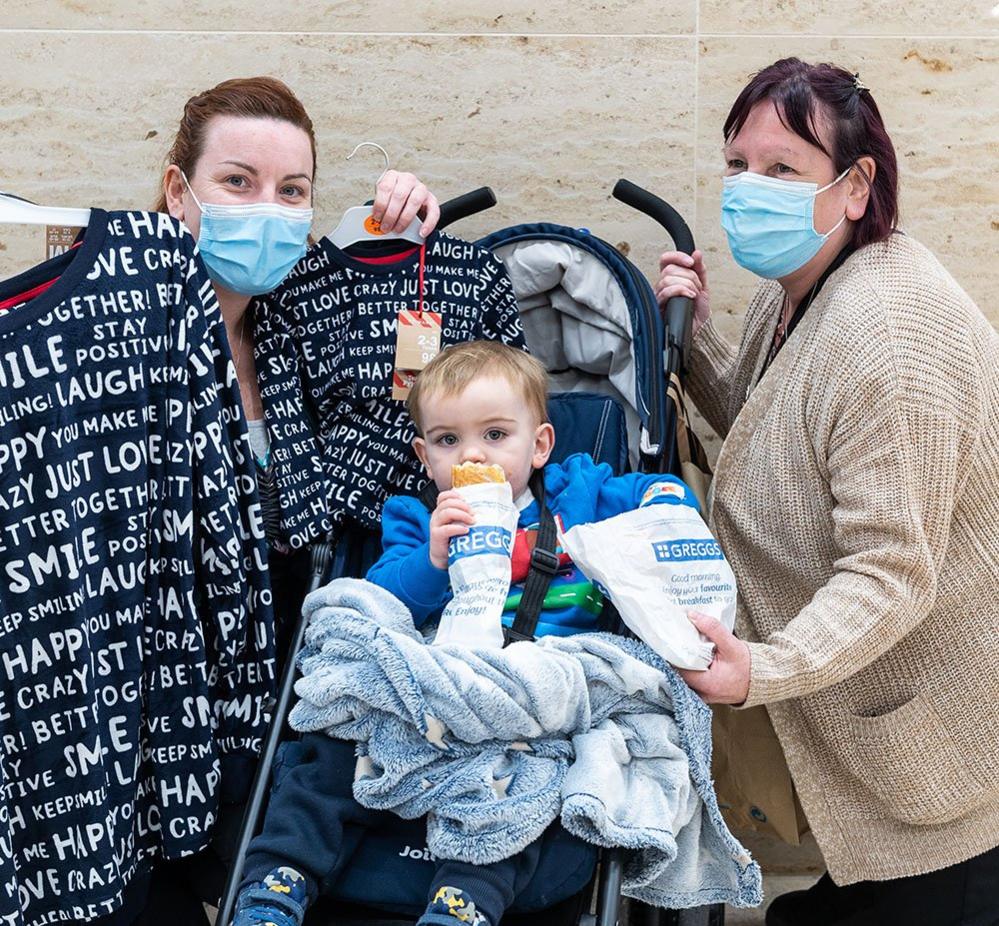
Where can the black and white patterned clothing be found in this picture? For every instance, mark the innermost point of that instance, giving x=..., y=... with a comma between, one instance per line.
x=325, y=351
x=136, y=646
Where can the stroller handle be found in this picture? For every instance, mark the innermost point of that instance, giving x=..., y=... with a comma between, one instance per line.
x=678, y=311
x=657, y=209
x=465, y=205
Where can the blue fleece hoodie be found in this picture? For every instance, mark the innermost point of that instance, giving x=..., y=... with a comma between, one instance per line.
x=578, y=491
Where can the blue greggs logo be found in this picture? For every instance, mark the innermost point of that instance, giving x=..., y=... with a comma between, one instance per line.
x=478, y=540
x=685, y=551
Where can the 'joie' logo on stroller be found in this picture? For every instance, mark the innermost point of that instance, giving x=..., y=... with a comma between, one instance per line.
x=685, y=551
x=423, y=855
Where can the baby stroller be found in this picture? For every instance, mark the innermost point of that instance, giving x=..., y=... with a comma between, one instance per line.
x=592, y=318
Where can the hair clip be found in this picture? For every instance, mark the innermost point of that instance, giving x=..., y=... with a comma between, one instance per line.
x=859, y=85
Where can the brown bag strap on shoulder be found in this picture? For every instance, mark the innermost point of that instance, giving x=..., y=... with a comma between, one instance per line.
x=694, y=467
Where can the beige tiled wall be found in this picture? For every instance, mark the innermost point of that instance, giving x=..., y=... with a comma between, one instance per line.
x=547, y=101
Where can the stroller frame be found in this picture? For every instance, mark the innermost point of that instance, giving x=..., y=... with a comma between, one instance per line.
x=330, y=559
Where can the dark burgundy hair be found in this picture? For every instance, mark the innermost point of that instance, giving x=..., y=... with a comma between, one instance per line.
x=802, y=93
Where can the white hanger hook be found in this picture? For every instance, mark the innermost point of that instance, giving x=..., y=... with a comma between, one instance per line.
x=371, y=144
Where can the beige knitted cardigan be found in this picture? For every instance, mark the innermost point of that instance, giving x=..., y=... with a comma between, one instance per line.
x=857, y=498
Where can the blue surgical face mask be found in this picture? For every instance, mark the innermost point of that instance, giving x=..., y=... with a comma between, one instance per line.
x=770, y=222
x=250, y=248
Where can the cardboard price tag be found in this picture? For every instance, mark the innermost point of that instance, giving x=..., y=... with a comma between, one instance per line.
x=402, y=382
x=418, y=339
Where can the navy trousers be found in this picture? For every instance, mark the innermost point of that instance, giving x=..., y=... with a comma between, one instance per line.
x=966, y=894
x=314, y=825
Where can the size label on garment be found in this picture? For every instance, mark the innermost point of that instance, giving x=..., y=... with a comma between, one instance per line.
x=59, y=239
x=418, y=339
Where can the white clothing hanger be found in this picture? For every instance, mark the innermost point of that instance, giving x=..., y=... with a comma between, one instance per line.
x=356, y=225
x=17, y=211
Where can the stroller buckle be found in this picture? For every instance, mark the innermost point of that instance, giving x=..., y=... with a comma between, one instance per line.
x=515, y=636
x=544, y=561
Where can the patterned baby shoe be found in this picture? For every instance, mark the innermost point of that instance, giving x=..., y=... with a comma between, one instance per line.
x=278, y=900
x=452, y=906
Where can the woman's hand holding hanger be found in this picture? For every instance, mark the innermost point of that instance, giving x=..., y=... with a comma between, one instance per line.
x=399, y=198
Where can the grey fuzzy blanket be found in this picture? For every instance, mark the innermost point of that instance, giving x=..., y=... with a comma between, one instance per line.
x=492, y=745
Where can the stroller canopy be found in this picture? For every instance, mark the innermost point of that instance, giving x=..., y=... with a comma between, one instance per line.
x=591, y=317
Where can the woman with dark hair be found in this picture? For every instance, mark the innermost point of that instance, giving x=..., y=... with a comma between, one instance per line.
x=857, y=498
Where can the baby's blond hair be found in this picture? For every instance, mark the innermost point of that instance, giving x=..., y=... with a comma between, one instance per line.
x=454, y=368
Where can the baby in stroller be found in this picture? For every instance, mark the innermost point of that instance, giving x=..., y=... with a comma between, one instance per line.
x=478, y=402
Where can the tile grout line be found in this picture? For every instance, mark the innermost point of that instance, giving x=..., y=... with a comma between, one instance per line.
x=697, y=106
x=349, y=34
x=975, y=36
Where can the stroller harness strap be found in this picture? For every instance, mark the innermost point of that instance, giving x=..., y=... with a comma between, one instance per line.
x=544, y=565
x=544, y=562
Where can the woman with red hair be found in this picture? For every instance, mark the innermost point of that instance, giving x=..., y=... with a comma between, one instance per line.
x=857, y=499
x=240, y=173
